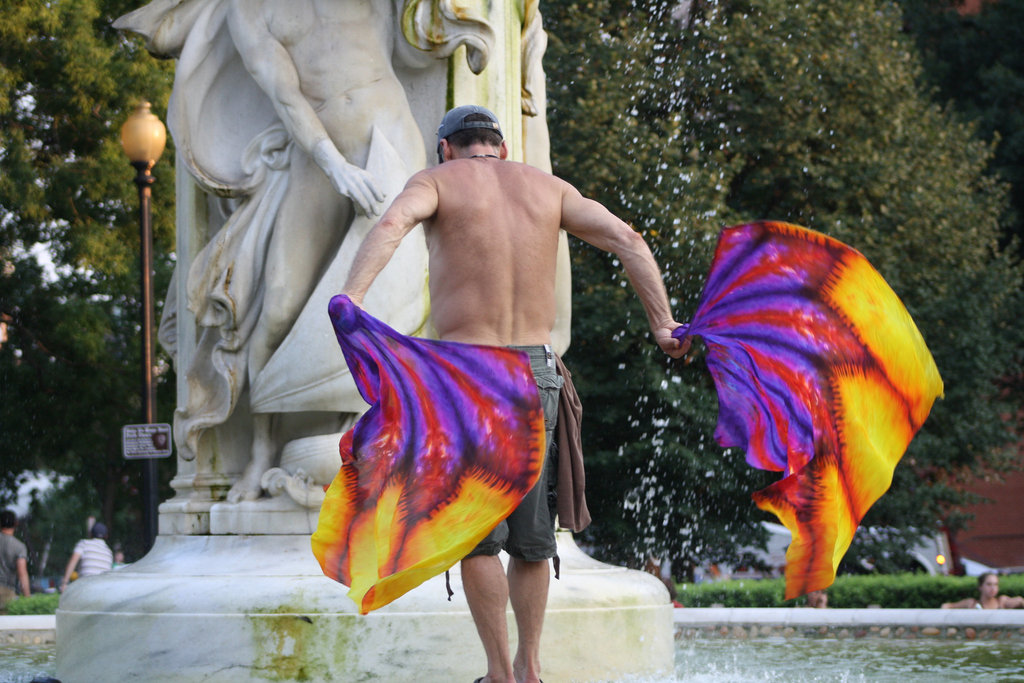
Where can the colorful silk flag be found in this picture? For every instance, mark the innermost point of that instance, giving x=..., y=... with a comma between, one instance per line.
x=821, y=374
x=452, y=442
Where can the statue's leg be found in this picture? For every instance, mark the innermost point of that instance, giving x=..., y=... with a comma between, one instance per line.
x=263, y=452
x=311, y=223
x=308, y=231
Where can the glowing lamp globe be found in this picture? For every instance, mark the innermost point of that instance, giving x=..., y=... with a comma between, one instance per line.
x=143, y=136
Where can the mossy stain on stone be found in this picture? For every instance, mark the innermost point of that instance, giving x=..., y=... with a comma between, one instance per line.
x=289, y=646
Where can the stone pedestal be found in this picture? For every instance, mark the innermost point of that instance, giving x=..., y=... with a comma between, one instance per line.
x=257, y=608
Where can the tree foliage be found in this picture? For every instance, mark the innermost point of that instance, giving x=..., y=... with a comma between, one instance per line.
x=684, y=121
x=70, y=365
x=656, y=482
x=975, y=62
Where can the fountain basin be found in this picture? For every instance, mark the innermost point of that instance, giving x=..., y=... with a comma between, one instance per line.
x=258, y=608
x=715, y=644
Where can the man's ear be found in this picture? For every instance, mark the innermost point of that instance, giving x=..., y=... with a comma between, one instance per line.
x=446, y=151
x=503, y=151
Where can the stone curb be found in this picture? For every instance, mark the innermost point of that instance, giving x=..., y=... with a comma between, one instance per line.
x=741, y=623
x=737, y=622
x=35, y=629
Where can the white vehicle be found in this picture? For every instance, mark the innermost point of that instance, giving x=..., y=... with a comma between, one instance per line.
x=930, y=552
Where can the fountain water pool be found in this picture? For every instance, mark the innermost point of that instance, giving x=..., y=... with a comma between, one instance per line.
x=701, y=659
x=853, y=660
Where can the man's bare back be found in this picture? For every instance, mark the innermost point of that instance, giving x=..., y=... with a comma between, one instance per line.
x=492, y=235
x=492, y=243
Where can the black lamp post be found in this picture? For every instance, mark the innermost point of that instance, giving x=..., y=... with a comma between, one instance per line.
x=143, y=137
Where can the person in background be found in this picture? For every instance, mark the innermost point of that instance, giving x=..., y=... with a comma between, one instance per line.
x=13, y=561
x=817, y=599
x=989, y=597
x=93, y=553
x=118, y=556
x=653, y=566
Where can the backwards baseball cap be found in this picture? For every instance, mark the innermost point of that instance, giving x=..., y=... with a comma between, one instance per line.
x=99, y=530
x=455, y=120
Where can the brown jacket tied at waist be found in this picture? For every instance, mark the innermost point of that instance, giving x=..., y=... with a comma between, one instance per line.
x=572, y=502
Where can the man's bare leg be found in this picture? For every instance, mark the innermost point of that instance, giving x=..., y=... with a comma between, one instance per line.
x=487, y=590
x=528, y=588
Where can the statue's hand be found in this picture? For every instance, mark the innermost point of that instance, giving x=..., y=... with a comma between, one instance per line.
x=358, y=185
x=348, y=179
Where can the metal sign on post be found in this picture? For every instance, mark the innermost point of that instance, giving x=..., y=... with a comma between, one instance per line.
x=146, y=441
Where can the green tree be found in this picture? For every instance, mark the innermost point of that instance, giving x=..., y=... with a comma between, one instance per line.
x=656, y=481
x=811, y=113
x=70, y=363
x=975, y=62
x=825, y=109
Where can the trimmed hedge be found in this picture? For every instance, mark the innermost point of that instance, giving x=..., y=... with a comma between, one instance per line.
x=884, y=590
x=38, y=603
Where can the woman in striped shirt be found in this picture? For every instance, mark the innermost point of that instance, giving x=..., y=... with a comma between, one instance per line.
x=94, y=554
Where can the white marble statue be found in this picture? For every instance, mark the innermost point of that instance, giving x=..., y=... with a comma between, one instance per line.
x=291, y=111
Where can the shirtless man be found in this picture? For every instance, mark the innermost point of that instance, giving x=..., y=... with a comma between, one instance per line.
x=326, y=66
x=492, y=230
x=988, y=596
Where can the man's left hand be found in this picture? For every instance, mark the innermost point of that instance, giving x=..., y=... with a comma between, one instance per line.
x=676, y=348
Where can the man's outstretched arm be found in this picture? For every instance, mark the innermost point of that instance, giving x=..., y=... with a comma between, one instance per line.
x=594, y=224
x=416, y=203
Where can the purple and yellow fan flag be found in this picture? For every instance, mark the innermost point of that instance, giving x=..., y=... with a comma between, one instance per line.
x=452, y=442
x=821, y=375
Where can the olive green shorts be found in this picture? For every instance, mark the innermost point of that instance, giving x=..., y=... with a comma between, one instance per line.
x=529, y=532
